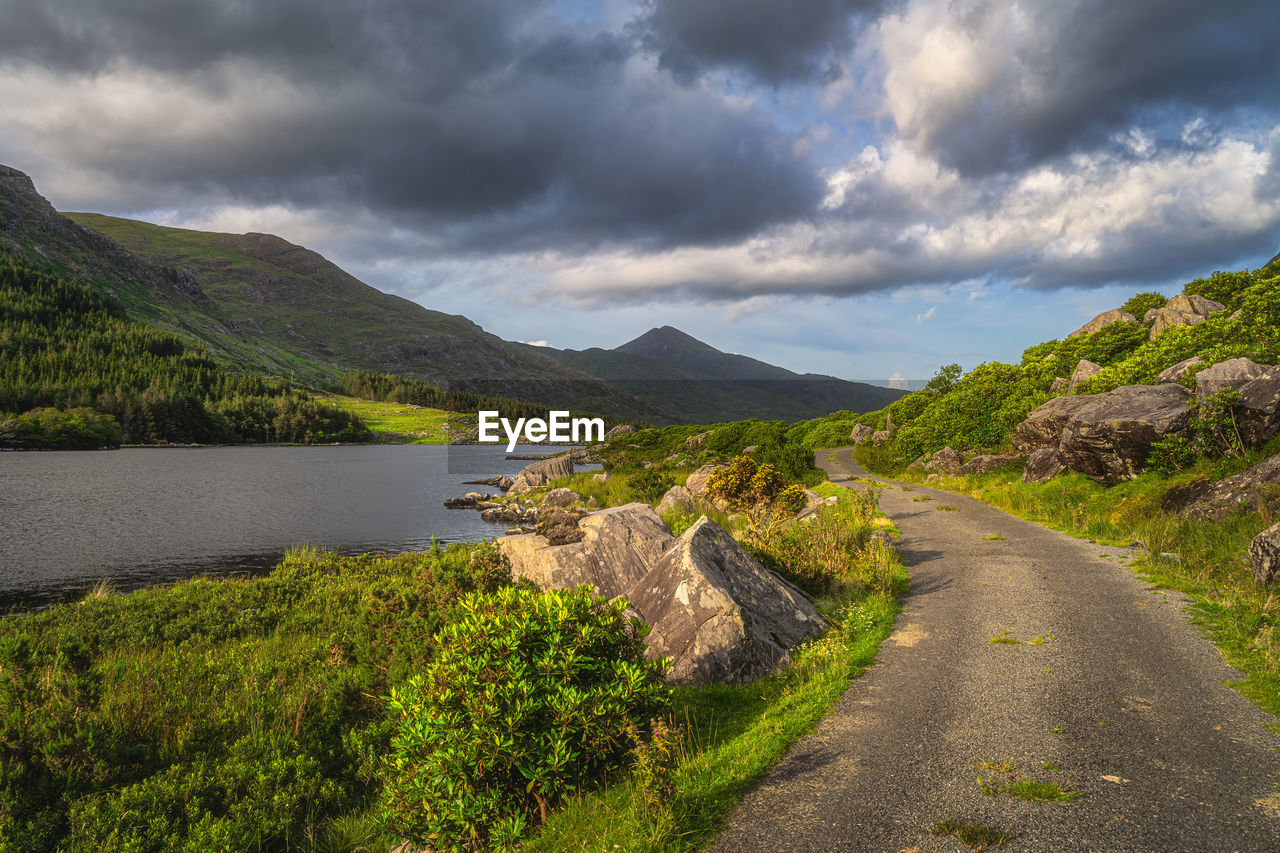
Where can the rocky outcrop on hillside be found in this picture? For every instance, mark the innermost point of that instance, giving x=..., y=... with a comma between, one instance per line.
x=1181, y=310
x=1257, y=415
x=860, y=433
x=717, y=612
x=697, y=482
x=1085, y=370
x=1106, y=437
x=1106, y=318
x=1175, y=372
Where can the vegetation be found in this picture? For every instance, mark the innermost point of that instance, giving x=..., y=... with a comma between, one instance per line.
x=64, y=346
x=397, y=423
x=531, y=696
x=382, y=387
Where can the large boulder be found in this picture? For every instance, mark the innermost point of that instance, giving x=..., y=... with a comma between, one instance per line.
x=1043, y=465
x=618, y=546
x=1084, y=371
x=1244, y=490
x=697, y=482
x=1106, y=318
x=1175, y=372
x=1258, y=413
x=987, y=462
x=1181, y=310
x=1109, y=437
x=676, y=499
x=860, y=433
x=1264, y=551
x=540, y=473
x=717, y=613
x=944, y=461
x=620, y=429
x=1043, y=425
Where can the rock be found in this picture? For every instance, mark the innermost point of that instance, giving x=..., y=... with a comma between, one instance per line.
x=501, y=481
x=1248, y=489
x=1109, y=436
x=1043, y=464
x=618, y=547
x=1181, y=310
x=600, y=476
x=880, y=436
x=677, y=499
x=1059, y=385
x=814, y=504
x=540, y=473
x=1231, y=375
x=1257, y=415
x=918, y=464
x=697, y=482
x=988, y=462
x=510, y=512
x=861, y=433
x=1177, y=371
x=1085, y=370
x=582, y=456
x=1043, y=425
x=751, y=448
x=561, y=497
x=1265, y=553
x=468, y=501
x=697, y=442
x=719, y=614
x=1106, y=318
x=945, y=461
x=620, y=429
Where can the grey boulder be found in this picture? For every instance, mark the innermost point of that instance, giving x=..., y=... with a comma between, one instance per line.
x=540, y=473
x=1106, y=318
x=1181, y=310
x=561, y=497
x=1175, y=372
x=1043, y=465
x=861, y=433
x=1043, y=425
x=987, y=462
x=1264, y=551
x=717, y=613
x=944, y=461
x=697, y=482
x=1258, y=412
x=1084, y=371
x=1109, y=436
x=1243, y=490
x=676, y=499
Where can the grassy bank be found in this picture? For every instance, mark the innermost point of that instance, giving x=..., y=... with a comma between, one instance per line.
x=1207, y=560
x=399, y=423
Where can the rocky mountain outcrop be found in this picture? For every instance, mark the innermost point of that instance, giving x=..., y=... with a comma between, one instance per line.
x=1264, y=551
x=1257, y=415
x=860, y=433
x=1181, y=310
x=540, y=473
x=718, y=613
x=1175, y=372
x=1106, y=437
x=1106, y=318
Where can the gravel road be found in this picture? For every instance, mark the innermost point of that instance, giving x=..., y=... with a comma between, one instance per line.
x=1110, y=692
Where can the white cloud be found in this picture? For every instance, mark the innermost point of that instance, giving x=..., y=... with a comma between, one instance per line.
x=927, y=315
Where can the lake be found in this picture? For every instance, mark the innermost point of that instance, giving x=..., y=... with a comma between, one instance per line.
x=154, y=515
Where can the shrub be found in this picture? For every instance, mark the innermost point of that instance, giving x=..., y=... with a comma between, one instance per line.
x=533, y=695
x=1140, y=303
x=650, y=484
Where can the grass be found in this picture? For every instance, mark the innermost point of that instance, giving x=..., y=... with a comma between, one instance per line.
x=946, y=508
x=972, y=834
x=1015, y=785
x=1206, y=560
x=1005, y=641
x=996, y=538
x=399, y=423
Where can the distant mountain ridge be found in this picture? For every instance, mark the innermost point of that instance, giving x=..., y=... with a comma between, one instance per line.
x=261, y=304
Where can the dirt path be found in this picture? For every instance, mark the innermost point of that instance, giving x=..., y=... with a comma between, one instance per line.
x=1126, y=699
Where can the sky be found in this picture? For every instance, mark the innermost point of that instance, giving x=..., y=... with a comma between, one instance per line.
x=862, y=188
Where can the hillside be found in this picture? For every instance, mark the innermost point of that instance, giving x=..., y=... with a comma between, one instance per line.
x=699, y=383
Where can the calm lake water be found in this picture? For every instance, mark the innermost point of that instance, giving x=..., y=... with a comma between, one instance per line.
x=154, y=515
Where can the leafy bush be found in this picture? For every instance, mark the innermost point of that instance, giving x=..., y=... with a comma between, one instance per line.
x=74, y=429
x=650, y=484
x=532, y=696
x=1140, y=303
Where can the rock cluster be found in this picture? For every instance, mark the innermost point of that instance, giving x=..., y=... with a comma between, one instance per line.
x=1181, y=310
x=1247, y=489
x=717, y=612
x=860, y=434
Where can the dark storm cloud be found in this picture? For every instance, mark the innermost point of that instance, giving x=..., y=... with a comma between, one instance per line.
x=776, y=42
x=485, y=120
x=1070, y=75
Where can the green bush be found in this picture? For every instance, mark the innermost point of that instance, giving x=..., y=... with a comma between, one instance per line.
x=650, y=484
x=532, y=696
x=1140, y=303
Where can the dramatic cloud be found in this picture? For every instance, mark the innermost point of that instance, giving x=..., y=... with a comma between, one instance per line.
x=990, y=85
x=775, y=42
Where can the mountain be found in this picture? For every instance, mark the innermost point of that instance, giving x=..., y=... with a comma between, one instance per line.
x=699, y=384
